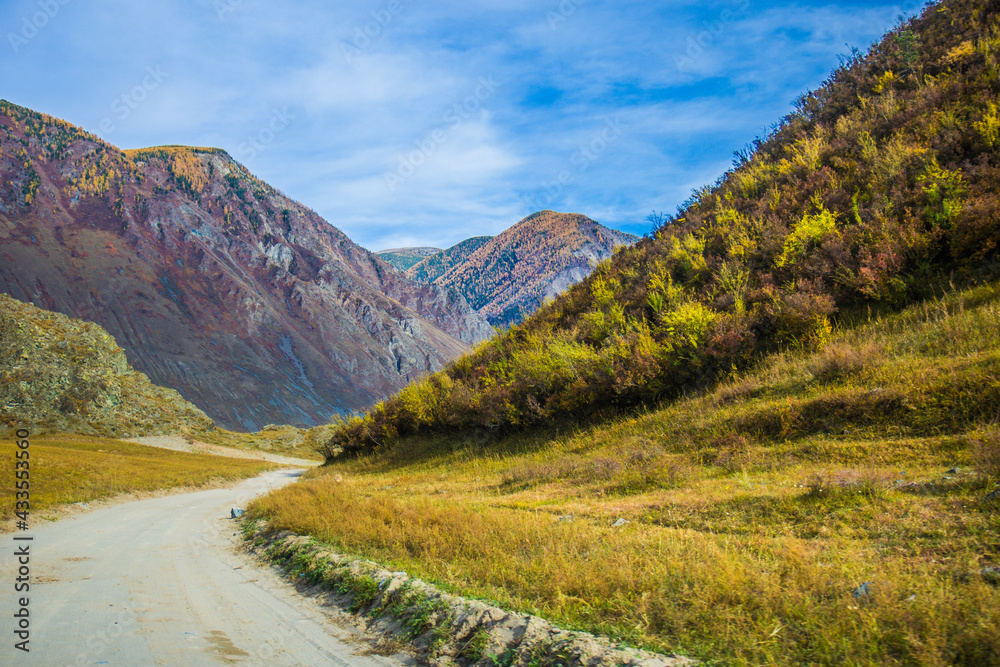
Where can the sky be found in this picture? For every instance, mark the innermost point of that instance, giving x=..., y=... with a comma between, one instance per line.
x=418, y=123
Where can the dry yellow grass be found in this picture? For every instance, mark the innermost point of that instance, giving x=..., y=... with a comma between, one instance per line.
x=74, y=468
x=282, y=440
x=755, y=511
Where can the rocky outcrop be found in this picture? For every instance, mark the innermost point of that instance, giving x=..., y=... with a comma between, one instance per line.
x=61, y=374
x=248, y=303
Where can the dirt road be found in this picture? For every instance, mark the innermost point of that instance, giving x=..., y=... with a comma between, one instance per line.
x=158, y=582
x=181, y=444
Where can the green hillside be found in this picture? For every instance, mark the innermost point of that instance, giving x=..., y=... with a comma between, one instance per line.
x=404, y=258
x=876, y=192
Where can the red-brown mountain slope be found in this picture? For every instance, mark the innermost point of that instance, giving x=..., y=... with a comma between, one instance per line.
x=216, y=284
x=510, y=275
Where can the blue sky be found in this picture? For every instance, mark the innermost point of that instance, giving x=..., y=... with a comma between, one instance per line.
x=424, y=123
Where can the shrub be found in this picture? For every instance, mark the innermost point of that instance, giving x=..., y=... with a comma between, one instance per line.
x=810, y=231
x=804, y=318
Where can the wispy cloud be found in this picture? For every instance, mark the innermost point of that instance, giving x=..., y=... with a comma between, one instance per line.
x=566, y=68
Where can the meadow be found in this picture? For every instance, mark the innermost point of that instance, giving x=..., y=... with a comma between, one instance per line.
x=74, y=468
x=824, y=507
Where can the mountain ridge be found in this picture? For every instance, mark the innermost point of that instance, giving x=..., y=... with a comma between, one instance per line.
x=509, y=276
x=403, y=258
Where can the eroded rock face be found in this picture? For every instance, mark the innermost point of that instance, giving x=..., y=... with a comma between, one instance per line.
x=248, y=303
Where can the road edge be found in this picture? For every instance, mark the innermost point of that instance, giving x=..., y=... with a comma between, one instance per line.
x=440, y=629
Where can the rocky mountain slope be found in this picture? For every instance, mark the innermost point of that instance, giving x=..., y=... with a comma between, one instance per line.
x=61, y=374
x=404, y=258
x=509, y=276
x=214, y=283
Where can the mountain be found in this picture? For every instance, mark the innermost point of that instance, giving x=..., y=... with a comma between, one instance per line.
x=404, y=258
x=61, y=374
x=512, y=274
x=434, y=266
x=878, y=191
x=216, y=284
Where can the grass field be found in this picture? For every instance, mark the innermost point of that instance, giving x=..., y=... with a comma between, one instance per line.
x=756, y=512
x=73, y=468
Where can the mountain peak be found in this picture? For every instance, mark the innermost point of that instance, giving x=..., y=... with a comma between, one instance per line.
x=510, y=275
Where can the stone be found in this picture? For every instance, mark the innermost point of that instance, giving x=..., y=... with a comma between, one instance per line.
x=619, y=523
x=862, y=592
x=236, y=513
x=991, y=574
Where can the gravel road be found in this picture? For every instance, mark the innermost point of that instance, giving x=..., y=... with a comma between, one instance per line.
x=160, y=582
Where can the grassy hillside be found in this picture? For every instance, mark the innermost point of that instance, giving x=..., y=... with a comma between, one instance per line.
x=878, y=190
x=61, y=374
x=756, y=512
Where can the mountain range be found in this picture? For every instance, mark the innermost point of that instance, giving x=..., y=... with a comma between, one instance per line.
x=245, y=301
x=509, y=276
x=404, y=258
x=215, y=283
x=876, y=192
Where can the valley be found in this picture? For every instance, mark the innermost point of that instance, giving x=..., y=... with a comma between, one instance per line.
x=765, y=432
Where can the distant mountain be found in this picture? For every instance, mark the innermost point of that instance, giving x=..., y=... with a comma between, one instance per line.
x=248, y=303
x=435, y=266
x=404, y=258
x=508, y=276
x=61, y=374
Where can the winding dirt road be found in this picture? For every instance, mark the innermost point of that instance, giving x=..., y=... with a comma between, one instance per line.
x=159, y=582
